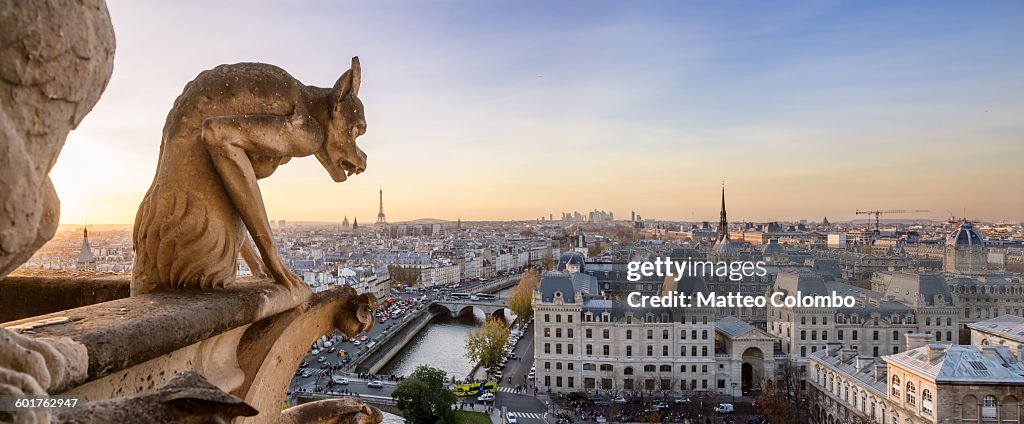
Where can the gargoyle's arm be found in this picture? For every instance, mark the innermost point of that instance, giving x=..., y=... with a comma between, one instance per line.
x=230, y=140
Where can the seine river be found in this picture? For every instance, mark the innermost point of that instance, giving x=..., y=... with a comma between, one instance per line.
x=441, y=344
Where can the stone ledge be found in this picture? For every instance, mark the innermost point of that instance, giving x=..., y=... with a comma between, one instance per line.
x=29, y=295
x=125, y=332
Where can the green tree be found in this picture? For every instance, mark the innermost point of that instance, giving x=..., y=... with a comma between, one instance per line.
x=486, y=344
x=423, y=398
x=520, y=301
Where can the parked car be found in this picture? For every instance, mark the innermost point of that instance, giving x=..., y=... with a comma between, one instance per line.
x=375, y=384
x=660, y=404
x=681, y=399
x=724, y=408
x=619, y=400
x=486, y=397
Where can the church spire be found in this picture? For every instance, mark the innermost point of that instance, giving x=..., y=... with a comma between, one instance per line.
x=723, y=224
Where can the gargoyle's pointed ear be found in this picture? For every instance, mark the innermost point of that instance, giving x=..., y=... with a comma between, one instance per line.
x=349, y=81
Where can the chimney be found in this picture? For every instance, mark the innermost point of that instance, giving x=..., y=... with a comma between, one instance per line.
x=881, y=371
x=916, y=340
x=935, y=350
x=863, y=362
x=847, y=354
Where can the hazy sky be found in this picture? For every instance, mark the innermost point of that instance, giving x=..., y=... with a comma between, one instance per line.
x=514, y=110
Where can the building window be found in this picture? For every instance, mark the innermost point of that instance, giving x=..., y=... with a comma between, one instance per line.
x=895, y=335
x=547, y=365
x=704, y=351
x=664, y=334
x=840, y=334
x=590, y=349
x=853, y=334
x=547, y=332
x=606, y=350
x=558, y=318
x=569, y=317
x=570, y=332
x=896, y=386
x=988, y=407
x=627, y=371
x=590, y=333
x=665, y=368
x=629, y=350
x=569, y=347
x=607, y=367
x=911, y=393
x=874, y=335
x=803, y=335
x=650, y=334
x=682, y=335
x=629, y=334
x=558, y=332
x=664, y=351
x=693, y=350
x=650, y=350
x=558, y=366
x=704, y=335
x=547, y=318
x=558, y=348
x=547, y=347
x=649, y=368
x=926, y=401
x=604, y=333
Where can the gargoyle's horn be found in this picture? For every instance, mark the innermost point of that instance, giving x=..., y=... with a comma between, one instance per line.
x=357, y=75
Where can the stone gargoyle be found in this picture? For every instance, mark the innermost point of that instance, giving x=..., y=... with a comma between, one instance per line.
x=187, y=399
x=343, y=410
x=231, y=126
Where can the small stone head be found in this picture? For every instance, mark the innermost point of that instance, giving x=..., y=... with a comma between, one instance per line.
x=356, y=313
x=339, y=154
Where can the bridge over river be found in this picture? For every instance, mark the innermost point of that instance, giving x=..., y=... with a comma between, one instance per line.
x=460, y=307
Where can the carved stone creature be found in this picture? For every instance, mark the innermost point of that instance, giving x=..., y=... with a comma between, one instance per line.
x=345, y=410
x=232, y=125
x=188, y=398
x=56, y=57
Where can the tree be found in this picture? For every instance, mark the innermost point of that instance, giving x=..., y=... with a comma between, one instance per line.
x=405, y=275
x=782, y=399
x=423, y=398
x=520, y=301
x=548, y=261
x=485, y=345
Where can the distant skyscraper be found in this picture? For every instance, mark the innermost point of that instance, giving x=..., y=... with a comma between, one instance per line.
x=86, y=260
x=380, y=215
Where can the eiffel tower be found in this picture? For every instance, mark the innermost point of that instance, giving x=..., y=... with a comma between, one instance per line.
x=380, y=215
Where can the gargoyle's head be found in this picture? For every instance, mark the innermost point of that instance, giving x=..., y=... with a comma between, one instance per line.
x=355, y=314
x=340, y=155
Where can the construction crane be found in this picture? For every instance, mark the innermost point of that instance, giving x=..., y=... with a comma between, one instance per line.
x=878, y=214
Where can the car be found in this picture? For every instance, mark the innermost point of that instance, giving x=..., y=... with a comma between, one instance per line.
x=364, y=338
x=314, y=352
x=321, y=359
x=619, y=400
x=510, y=418
x=513, y=355
x=306, y=374
x=325, y=365
x=681, y=399
x=375, y=384
x=304, y=364
x=599, y=400
x=357, y=342
x=724, y=408
x=660, y=404
x=486, y=397
x=337, y=379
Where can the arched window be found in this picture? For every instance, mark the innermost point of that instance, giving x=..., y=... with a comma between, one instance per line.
x=926, y=401
x=607, y=367
x=649, y=368
x=911, y=394
x=896, y=386
x=628, y=371
x=988, y=407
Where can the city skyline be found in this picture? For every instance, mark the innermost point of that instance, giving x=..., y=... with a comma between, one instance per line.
x=495, y=112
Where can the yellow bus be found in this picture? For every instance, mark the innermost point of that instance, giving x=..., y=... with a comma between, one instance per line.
x=474, y=389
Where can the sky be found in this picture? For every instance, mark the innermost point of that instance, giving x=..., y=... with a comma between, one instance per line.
x=487, y=110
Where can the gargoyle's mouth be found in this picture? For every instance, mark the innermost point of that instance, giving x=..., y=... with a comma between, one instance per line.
x=350, y=168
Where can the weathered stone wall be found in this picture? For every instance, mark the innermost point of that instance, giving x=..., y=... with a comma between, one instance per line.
x=23, y=297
